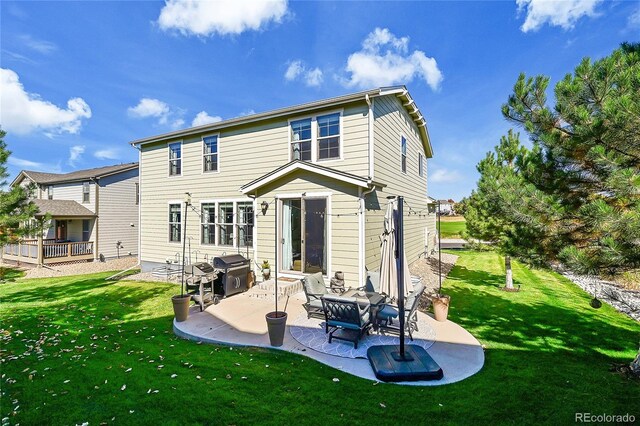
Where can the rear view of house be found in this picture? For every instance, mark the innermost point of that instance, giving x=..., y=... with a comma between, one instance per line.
x=94, y=215
x=306, y=184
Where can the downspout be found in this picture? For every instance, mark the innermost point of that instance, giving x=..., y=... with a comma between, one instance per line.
x=371, y=103
x=139, y=204
x=96, y=221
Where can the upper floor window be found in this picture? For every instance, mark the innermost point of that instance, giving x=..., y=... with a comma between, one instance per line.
x=403, y=147
x=244, y=224
x=85, y=192
x=175, y=159
x=225, y=224
x=301, y=140
x=210, y=154
x=329, y=136
x=50, y=192
x=420, y=165
x=175, y=223
x=208, y=223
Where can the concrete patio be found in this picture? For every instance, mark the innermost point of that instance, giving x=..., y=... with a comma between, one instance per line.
x=240, y=321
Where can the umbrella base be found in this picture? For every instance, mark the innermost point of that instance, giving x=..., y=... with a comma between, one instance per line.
x=389, y=366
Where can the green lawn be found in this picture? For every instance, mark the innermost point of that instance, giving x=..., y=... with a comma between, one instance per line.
x=69, y=347
x=452, y=229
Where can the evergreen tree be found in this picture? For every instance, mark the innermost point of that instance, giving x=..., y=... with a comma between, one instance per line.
x=15, y=207
x=580, y=184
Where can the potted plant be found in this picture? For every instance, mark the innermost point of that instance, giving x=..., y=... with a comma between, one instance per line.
x=181, y=301
x=276, y=320
x=440, y=301
x=266, y=270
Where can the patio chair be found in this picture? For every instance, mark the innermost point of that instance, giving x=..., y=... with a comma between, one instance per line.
x=314, y=289
x=385, y=316
x=373, y=282
x=345, y=314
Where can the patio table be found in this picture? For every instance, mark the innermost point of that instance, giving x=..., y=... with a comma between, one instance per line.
x=375, y=300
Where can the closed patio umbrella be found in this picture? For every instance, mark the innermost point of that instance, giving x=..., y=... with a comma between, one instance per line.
x=388, y=261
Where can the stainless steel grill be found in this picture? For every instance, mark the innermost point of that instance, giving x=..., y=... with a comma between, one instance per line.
x=200, y=283
x=232, y=277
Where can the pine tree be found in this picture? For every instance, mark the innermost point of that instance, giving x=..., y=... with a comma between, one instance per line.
x=16, y=209
x=581, y=189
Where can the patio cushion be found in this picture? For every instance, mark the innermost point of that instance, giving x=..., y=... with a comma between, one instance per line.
x=317, y=303
x=373, y=281
x=388, y=312
x=314, y=284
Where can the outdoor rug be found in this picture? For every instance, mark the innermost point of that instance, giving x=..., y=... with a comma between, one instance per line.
x=310, y=333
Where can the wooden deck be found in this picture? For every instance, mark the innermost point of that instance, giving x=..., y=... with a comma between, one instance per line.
x=52, y=252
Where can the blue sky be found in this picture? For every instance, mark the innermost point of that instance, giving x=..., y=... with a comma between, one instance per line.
x=82, y=79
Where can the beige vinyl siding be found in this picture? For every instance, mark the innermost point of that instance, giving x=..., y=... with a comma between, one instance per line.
x=390, y=124
x=117, y=211
x=343, y=201
x=245, y=153
x=72, y=191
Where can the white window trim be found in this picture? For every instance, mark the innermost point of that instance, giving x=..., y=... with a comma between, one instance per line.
x=88, y=192
x=420, y=164
x=215, y=227
x=169, y=158
x=314, y=135
x=202, y=154
x=181, y=203
x=234, y=201
x=402, y=136
x=327, y=196
x=237, y=223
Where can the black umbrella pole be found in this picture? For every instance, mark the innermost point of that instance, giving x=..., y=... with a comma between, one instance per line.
x=400, y=265
x=275, y=221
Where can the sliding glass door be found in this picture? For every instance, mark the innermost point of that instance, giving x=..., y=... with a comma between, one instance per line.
x=304, y=230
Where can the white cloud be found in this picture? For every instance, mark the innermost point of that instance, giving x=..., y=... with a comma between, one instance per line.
x=385, y=60
x=249, y=111
x=15, y=161
x=22, y=112
x=203, y=118
x=75, y=153
x=148, y=107
x=40, y=46
x=204, y=18
x=33, y=165
x=445, y=176
x=556, y=13
x=298, y=70
x=107, y=154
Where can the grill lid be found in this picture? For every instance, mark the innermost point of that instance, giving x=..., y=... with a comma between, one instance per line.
x=229, y=261
x=200, y=268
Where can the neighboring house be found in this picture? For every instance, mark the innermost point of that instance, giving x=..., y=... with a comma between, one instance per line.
x=447, y=207
x=94, y=215
x=328, y=166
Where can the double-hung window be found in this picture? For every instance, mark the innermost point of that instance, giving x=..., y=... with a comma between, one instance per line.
x=301, y=140
x=50, y=192
x=175, y=159
x=420, y=165
x=175, y=223
x=86, y=229
x=244, y=224
x=210, y=154
x=85, y=192
x=329, y=136
x=403, y=146
x=208, y=218
x=225, y=224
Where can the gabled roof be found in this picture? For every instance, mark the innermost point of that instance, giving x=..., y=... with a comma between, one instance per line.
x=78, y=175
x=297, y=165
x=62, y=208
x=400, y=91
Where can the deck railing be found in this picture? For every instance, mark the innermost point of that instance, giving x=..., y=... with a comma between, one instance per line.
x=27, y=250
